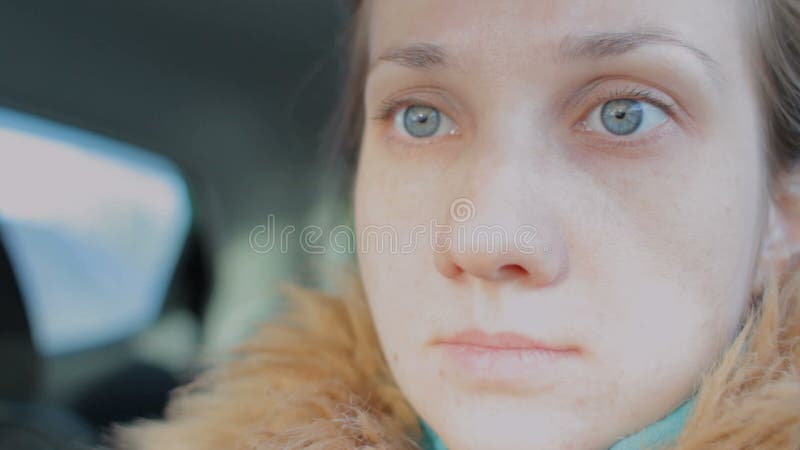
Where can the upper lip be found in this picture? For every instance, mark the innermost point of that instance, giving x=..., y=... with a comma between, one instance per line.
x=501, y=341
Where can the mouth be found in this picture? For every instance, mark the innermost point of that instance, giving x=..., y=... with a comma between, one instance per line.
x=503, y=356
x=502, y=342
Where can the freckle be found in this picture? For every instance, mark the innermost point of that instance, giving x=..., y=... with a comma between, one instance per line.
x=394, y=357
x=441, y=373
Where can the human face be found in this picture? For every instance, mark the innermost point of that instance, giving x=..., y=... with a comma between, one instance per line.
x=611, y=152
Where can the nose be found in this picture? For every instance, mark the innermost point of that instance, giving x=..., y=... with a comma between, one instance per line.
x=494, y=243
x=505, y=224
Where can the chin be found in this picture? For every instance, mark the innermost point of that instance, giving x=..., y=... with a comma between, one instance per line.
x=480, y=421
x=500, y=432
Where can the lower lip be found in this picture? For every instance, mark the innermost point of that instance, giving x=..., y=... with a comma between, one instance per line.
x=504, y=363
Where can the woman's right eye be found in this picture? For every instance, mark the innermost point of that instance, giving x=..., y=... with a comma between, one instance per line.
x=421, y=121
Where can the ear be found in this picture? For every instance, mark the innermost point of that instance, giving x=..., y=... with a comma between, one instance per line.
x=780, y=250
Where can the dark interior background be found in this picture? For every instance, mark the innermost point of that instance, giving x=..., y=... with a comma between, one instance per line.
x=236, y=93
x=233, y=92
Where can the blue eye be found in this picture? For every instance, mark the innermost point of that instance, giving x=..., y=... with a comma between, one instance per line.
x=420, y=121
x=622, y=117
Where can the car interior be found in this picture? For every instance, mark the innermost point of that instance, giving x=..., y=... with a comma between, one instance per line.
x=141, y=143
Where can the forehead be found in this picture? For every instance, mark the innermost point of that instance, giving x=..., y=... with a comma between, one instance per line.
x=506, y=30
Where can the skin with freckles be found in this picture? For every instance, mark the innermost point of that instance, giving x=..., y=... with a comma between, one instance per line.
x=645, y=244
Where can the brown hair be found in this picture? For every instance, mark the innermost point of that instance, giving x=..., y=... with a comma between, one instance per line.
x=342, y=137
x=778, y=52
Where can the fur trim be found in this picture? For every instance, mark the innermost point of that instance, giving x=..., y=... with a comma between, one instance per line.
x=316, y=379
x=751, y=398
x=313, y=379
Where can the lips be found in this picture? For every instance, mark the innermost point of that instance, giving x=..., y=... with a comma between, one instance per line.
x=506, y=360
x=501, y=341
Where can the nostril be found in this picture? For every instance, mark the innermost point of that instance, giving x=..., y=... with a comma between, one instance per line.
x=447, y=267
x=511, y=271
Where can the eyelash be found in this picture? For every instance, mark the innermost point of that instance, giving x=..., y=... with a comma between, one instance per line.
x=634, y=93
x=390, y=107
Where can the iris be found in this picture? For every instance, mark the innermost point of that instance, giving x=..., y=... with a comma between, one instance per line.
x=622, y=116
x=421, y=121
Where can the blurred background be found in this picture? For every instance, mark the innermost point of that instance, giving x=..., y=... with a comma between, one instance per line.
x=141, y=143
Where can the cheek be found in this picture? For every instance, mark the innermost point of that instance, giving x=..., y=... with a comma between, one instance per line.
x=663, y=256
x=387, y=206
x=694, y=215
x=678, y=266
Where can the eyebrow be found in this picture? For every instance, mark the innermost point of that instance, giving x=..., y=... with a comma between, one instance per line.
x=600, y=45
x=416, y=56
x=427, y=56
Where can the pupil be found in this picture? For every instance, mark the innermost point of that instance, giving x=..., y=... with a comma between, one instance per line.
x=619, y=115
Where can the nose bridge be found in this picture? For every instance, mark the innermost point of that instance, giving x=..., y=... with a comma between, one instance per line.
x=517, y=116
x=501, y=222
x=510, y=174
x=513, y=152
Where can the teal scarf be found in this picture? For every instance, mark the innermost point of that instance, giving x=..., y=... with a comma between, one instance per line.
x=656, y=435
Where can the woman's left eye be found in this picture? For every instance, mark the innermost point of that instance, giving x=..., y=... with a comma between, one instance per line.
x=420, y=122
x=623, y=117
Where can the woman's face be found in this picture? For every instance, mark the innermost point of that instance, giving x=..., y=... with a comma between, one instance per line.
x=559, y=209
